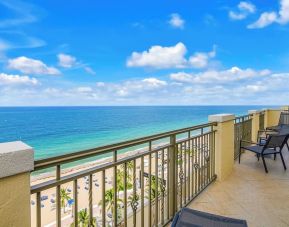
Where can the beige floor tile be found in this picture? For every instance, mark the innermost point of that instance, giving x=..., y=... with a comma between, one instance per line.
x=251, y=194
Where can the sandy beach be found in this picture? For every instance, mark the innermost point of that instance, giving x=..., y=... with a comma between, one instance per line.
x=48, y=207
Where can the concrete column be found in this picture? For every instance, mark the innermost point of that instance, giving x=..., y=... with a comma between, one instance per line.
x=224, y=144
x=285, y=108
x=271, y=117
x=255, y=124
x=16, y=162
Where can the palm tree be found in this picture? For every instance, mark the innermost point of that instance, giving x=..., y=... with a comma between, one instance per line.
x=129, y=167
x=83, y=219
x=119, y=181
x=109, y=202
x=64, y=197
x=156, y=191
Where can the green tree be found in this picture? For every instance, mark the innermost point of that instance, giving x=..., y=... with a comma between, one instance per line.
x=64, y=197
x=156, y=191
x=109, y=202
x=84, y=219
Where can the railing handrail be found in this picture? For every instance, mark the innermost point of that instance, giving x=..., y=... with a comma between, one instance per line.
x=239, y=119
x=54, y=182
x=70, y=157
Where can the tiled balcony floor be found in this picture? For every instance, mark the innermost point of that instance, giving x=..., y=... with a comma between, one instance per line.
x=251, y=194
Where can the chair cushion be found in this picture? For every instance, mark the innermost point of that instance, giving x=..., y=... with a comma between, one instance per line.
x=193, y=218
x=258, y=149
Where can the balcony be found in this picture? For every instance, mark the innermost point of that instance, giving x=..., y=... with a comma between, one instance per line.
x=144, y=182
x=250, y=194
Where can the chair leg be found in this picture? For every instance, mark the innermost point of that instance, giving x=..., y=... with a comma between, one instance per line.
x=284, y=165
x=275, y=156
x=264, y=163
x=240, y=156
x=287, y=145
x=258, y=156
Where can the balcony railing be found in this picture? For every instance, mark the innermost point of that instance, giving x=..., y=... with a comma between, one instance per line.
x=141, y=182
x=243, y=131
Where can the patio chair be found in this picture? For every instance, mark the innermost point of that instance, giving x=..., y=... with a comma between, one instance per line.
x=273, y=145
x=264, y=134
x=283, y=122
x=193, y=218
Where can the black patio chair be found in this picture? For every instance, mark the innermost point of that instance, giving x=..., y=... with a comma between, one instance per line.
x=194, y=218
x=264, y=134
x=273, y=145
x=283, y=122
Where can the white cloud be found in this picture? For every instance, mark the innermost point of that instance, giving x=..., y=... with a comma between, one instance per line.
x=89, y=70
x=84, y=89
x=245, y=8
x=6, y=79
x=154, y=82
x=159, y=57
x=100, y=84
x=66, y=61
x=201, y=60
x=267, y=18
x=169, y=57
x=284, y=12
x=264, y=20
x=176, y=21
x=230, y=86
x=255, y=88
x=221, y=77
x=31, y=66
x=25, y=13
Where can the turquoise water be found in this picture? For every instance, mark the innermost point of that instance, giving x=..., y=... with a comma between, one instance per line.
x=57, y=130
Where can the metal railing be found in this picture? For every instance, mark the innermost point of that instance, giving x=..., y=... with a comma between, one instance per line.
x=242, y=131
x=262, y=120
x=138, y=188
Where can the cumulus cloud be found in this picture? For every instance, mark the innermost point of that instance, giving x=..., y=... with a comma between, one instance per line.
x=66, y=61
x=31, y=66
x=244, y=9
x=154, y=82
x=268, y=18
x=176, y=21
x=201, y=60
x=213, y=76
x=6, y=79
x=229, y=86
x=169, y=57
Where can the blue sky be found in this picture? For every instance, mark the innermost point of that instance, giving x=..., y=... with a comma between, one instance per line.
x=144, y=52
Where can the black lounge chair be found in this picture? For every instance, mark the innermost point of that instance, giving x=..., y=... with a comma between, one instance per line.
x=273, y=145
x=193, y=218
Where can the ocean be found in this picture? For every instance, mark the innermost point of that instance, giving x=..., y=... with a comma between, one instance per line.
x=53, y=131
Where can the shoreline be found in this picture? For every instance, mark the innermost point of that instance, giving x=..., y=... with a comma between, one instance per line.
x=48, y=208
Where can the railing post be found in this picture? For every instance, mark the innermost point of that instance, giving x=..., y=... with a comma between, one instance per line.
x=172, y=176
x=224, y=144
x=255, y=124
x=16, y=162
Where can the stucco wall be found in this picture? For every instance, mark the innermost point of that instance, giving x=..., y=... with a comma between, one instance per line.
x=15, y=201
